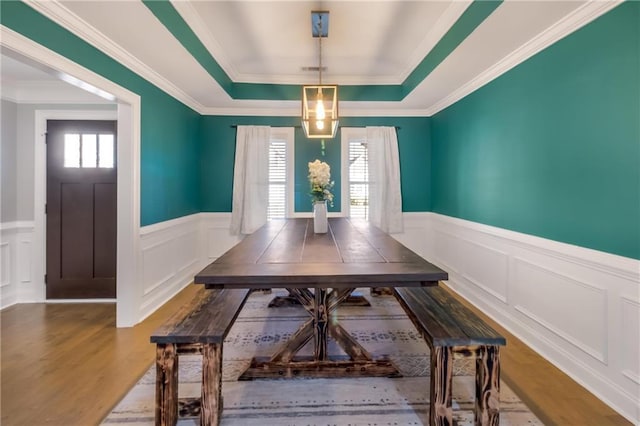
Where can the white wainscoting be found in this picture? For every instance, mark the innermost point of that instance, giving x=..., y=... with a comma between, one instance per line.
x=577, y=307
x=170, y=257
x=16, y=261
x=217, y=237
x=175, y=250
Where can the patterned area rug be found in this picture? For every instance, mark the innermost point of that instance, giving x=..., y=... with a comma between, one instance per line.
x=383, y=329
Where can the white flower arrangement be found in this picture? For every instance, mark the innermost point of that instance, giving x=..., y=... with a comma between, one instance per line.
x=320, y=181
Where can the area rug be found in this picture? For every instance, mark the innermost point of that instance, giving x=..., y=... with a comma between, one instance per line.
x=383, y=329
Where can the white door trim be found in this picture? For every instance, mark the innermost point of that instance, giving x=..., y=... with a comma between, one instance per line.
x=40, y=184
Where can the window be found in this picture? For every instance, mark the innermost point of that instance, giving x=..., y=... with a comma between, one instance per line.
x=356, y=167
x=88, y=150
x=280, y=173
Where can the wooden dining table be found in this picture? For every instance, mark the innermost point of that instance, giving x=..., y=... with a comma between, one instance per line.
x=320, y=271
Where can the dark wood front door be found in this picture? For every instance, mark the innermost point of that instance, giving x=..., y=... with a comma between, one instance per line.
x=81, y=209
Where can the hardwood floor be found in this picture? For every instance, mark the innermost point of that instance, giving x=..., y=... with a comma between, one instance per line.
x=67, y=364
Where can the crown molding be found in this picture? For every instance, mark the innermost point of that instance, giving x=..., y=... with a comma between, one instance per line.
x=64, y=17
x=192, y=18
x=353, y=110
x=441, y=27
x=570, y=23
x=253, y=111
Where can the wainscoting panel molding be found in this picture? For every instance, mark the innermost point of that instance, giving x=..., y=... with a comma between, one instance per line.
x=16, y=261
x=170, y=259
x=218, y=239
x=560, y=314
x=630, y=311
x=577, y=307
x=6, y=271
x=175, y=250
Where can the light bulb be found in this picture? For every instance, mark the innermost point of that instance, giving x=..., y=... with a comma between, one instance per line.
x=320, y=109
x=320, y=124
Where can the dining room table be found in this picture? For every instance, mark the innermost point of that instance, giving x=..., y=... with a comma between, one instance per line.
x=320, y=271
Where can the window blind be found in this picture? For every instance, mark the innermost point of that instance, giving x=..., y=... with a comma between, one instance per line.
x=358, y=179
x=277, y=178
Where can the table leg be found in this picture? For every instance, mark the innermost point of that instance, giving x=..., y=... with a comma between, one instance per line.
x=354, y=349
x=293, y=300
x=295, y=343
x=319, y=304
x=320, y=320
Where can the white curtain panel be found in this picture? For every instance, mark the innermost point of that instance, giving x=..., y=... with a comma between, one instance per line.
x=385, y=197
x=250, y=179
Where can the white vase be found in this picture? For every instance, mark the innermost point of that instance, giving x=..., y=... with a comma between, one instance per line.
x=320, y=225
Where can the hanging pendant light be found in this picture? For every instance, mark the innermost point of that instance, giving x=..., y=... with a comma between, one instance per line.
x=320, y=102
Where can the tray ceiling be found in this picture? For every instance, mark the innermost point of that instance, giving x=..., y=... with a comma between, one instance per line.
x=392, y=57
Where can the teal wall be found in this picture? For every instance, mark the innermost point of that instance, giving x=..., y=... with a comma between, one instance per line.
x=169, y=130
x=218, y=150
x=552, y=148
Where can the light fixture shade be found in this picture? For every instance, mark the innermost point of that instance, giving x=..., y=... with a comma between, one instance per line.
x=314, y=124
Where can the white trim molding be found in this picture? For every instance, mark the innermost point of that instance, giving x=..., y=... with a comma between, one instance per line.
x=577, y=307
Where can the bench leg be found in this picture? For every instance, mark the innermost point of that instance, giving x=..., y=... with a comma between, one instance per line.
x=440, y=410
x=166, y=385
x=211, y=384
x=487, y=409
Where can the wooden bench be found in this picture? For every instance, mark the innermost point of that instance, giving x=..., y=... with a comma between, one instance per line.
x=451, y=329
x=199, y=327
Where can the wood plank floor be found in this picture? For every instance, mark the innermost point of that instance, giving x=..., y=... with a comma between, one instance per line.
x=68, y=365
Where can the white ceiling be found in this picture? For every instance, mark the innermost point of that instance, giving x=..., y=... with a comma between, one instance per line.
x=369, y=43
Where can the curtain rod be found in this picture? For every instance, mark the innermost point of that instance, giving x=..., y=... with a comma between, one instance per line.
x=235, y=126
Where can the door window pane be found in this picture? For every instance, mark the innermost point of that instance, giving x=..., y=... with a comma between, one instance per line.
x=89, y=151
x=72, y=150
x=105, y=158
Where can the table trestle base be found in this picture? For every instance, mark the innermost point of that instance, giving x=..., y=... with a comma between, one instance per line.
x=286, y=301
x=263, y=368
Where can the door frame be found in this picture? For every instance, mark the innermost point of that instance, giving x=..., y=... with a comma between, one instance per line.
x=40, y=167
x=128, y=271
